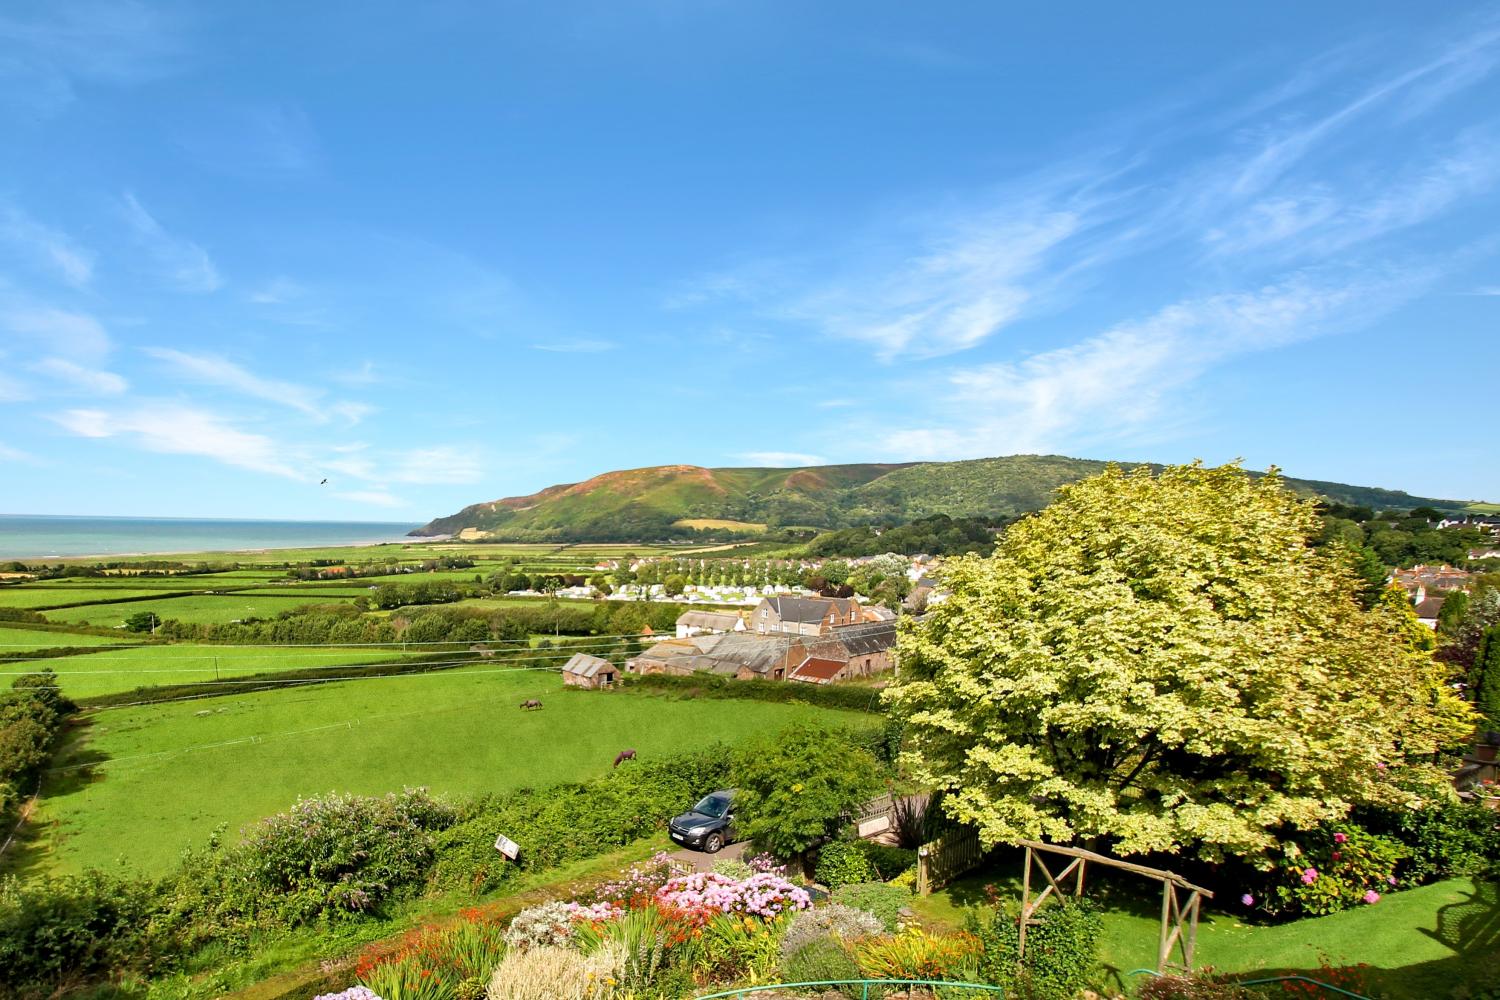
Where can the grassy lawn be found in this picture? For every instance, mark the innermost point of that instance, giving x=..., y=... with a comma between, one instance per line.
x=163, y=776
x=124, y=669
x=196, y=608
x=42, y=596
x=1417, y=943
x=20, y=640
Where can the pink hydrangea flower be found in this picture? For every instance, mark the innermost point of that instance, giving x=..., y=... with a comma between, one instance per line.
x=1339, y=838
x=1309, y=876
x=1372, y=896
x=1391, y=879
x=1247, y=899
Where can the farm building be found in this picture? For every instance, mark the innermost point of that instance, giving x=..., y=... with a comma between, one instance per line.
x=741, y=656
x=817, y=670
x=587, y=671
x=861, y=649
x=692, y=623
x=804, y=615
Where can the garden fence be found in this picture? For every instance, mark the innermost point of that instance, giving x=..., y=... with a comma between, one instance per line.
x=864, y=987
x=946, y=858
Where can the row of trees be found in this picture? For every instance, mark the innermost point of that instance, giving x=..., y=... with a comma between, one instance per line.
x=31, y=714
x=1401, y=538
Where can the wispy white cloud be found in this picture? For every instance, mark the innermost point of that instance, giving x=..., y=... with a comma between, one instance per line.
x=1486, y=290
x=258, y=140
x=210, y=369
x=1119, y=382
x=178, y=429
x=93, y=380
x=576, y=346
x=9, y=454
x=278, y=291
x=365, y=374
x=780, y=459
x=107, y=41
x=52, y=247
x=58, y=331
x=182, y=263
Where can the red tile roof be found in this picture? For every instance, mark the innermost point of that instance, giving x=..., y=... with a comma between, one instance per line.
x=817, y=668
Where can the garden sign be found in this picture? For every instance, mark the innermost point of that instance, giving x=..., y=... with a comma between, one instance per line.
x=507, y=847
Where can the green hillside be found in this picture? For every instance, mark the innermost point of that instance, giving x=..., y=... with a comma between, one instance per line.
x=643, y=504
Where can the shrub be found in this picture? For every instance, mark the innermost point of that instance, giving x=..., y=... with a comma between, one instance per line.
x=1339, y=867
x=916, y=954
x=58, y=932
x=819, y=960
x=888, y=861
x=548, y=925
x=327, y=857
x=1061, y=951
x=883, y=901
x=796, y=788
x=637, y=945
x=841, y=863
x=835, y=919
x=1443, y=841
x=735, y=948
x=550, y=973
x=906, y=880
x=733, y=868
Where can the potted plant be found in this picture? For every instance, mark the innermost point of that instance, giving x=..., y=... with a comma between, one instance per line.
x=1488, y=793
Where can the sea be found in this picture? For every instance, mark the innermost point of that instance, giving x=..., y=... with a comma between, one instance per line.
x=31, y=536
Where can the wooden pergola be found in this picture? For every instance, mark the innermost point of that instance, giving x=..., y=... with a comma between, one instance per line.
x=1179, y=916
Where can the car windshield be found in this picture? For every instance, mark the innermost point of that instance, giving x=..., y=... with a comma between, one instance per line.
x=712, y=805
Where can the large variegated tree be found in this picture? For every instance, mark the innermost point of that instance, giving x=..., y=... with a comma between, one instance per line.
x=1166, y=662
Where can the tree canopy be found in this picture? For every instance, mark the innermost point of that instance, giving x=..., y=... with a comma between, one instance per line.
x=1169, y=662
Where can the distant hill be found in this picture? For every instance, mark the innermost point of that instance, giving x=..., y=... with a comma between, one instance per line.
x=648, y=504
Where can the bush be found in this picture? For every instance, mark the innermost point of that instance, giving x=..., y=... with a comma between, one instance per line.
x=887, y=861
x=327, y=857
x=549, y=925
x=1335, y=868
x=733, y=868
x=1061, y=951
x=818, y=960
x=882, y=901
x=833, y=920
x=858, y=699
x=796, y=788
x=841, y=863
x=59, y=932
x=916, y=954
x=1444, y=841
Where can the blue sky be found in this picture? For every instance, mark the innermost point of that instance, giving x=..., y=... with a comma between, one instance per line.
x=438, y=253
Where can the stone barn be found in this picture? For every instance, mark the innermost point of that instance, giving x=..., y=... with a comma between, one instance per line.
x=587, y=671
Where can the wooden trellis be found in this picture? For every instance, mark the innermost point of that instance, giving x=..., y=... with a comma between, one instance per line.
x=1179, y=917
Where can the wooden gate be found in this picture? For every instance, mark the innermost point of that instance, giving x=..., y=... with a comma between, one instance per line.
x=946, y=858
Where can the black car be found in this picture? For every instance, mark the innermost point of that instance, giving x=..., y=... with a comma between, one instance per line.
x=707, y=826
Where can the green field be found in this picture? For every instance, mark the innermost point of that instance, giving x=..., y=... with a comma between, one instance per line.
x=18, y=640
x=196, y=608
x=127, y=668
x=163, y=776
x=32, y=596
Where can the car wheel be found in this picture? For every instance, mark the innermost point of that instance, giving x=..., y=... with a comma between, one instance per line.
x=713, y=843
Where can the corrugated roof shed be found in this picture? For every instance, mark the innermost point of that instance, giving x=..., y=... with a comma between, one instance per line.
x=585, y=665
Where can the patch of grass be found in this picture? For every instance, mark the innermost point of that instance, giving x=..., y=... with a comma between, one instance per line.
x=161, y=777
x=127, y=668
x=196, y=608
x=22, y=640
x=703, y=523
x=41, y=596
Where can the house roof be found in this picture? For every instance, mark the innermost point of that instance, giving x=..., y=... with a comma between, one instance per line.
x=1430, y=607
x=861, y=640
x=806, y=610
x=816, y=668
x=709, y=619
x=721, y=653
x=585, y=665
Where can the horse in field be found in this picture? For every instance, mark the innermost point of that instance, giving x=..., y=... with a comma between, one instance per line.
x=531, y=703
x=624, y=755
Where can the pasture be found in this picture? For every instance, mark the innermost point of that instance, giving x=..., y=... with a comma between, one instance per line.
x=112, y=670
x=15, y=641
x=195, y=608
x=160, y=778
x=38, y=597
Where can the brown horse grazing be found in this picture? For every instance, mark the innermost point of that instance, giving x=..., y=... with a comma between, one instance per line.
x=624, y=755
x=530, y=703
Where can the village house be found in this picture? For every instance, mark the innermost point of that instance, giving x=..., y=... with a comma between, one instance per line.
x=804, y=615
x=1430, y=579
x=691, y=623
x=858, y=650
x=1428, y=610
x=587, y=671
x=738, y=655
